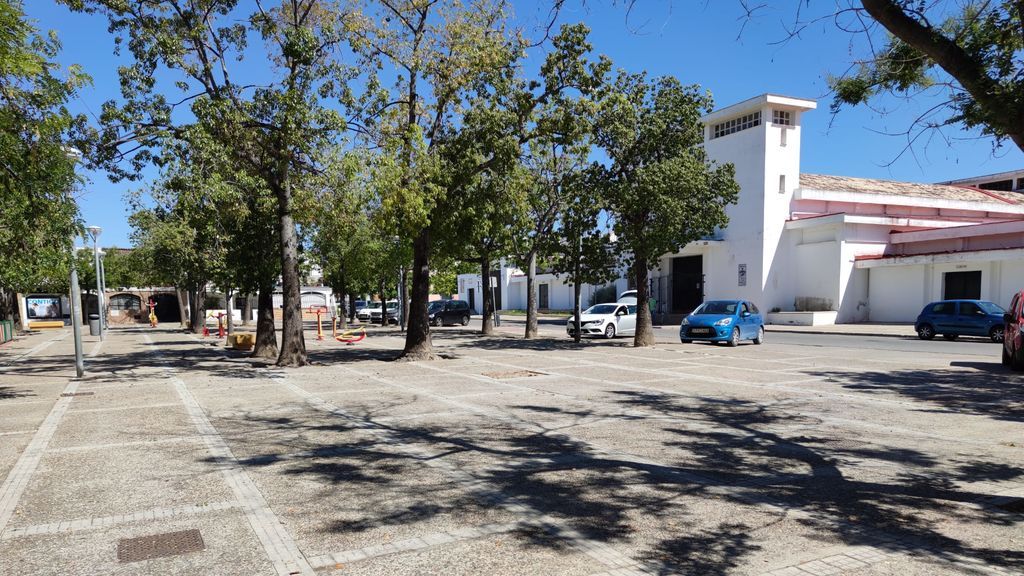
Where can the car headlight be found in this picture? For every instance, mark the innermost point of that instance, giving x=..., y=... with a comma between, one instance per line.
x=724, y=322
x=685, y=322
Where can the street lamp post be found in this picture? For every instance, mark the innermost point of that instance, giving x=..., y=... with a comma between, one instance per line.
x=95, y=232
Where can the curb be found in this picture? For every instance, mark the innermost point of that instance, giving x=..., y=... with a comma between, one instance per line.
x=768, y=328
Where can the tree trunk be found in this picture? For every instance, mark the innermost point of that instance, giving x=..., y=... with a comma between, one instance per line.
x=403, y=299
x=229, y=305
x=417, y=339
x=644, y=329
x=184, y=311
x=246, y=309
x=531, y=296
x=351, y=308
x=576, y=308
x=383, y=305
x=487, y=325
x=293, y=343
x=8, y=304
x=266, y=334
x=197, y=314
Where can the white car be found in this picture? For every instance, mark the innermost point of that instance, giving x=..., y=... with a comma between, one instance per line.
x=364, y=314
x=627, y=297
x=608, y=320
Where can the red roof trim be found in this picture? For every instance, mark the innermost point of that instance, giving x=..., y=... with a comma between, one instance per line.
x=894, y=256
x=815, y=216
x=988, y=193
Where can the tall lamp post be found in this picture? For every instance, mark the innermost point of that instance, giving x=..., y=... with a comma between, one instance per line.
x=76, y=293
x=94, y=231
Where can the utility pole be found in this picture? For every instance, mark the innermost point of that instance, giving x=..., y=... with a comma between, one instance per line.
x=95, y=232
x=76, y=314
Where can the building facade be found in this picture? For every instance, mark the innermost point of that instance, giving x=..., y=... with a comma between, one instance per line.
x=815, y=248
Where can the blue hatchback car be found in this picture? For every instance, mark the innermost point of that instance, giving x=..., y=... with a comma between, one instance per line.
x=953, y=318
x=723, y=321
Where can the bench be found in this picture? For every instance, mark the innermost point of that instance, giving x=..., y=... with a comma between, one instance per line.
x=45, y=324
x=242, y=340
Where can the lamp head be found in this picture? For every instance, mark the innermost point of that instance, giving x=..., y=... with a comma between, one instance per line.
x=95, y=231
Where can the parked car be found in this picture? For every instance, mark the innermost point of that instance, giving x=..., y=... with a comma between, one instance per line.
x=723, y=321
x=953, y=318
x=364, y=314
x=627, y=297
x=608, y=320
x=443, y=312
x=1013, y=333
x=392, y=313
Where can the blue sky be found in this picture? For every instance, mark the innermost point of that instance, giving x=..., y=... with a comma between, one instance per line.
x=699, y=42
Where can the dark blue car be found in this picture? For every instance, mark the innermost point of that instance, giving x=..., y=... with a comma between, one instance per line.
x=953, y=318
x=723, y=321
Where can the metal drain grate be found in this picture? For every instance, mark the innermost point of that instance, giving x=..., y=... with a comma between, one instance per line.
x=1015, y=506
x=159, y=545
x=70, y=394
x=508, y=374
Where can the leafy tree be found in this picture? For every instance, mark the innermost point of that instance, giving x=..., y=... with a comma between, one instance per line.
x=274, y=130
x=38, y=213
x=661, y=190
x=580, y=250
x=448, y=56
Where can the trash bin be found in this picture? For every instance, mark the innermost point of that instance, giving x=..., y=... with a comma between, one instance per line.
x=94, y=324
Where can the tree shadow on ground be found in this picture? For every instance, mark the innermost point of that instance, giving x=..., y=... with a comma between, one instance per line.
x=9, y=392
x=982, y=389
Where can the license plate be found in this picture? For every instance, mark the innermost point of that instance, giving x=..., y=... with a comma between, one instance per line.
x=700, y=330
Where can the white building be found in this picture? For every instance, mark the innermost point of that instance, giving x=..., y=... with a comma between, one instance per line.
x=825, y=249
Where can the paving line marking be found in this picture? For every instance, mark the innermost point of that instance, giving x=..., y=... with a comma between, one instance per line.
x=87, y=447
x=95, y=349
x=122, y=408
x=17, y=432
x=279, y=545
x=84, y=524
x=18, y=478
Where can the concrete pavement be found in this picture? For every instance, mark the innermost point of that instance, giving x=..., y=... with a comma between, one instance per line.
x=509, y=457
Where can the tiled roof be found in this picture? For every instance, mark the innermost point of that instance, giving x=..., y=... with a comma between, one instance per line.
x=893, y=188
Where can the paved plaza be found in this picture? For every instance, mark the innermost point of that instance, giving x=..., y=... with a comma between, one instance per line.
x=510, y=457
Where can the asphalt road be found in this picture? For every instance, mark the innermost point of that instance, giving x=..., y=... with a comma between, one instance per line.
x=975, y=348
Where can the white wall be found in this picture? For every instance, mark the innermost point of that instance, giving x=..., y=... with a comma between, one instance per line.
x=896, y=293
x=1011, y=281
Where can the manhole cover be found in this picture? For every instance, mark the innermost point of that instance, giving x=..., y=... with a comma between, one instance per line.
x=159, y=545
x=508, y=374
x=69, y=394
x=1015, y=506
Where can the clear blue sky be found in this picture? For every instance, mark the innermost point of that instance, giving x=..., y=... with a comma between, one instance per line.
x=699, y=42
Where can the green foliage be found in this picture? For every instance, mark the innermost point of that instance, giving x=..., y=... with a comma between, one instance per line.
x=38, y=213
x=661, y=191
x=968, y=50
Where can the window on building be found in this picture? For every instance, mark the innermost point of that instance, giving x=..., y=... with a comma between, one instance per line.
x=999, y=185
x=782, y=118
x=736, y=124
x=542, y=297
x=125, y=302
x=782, y=183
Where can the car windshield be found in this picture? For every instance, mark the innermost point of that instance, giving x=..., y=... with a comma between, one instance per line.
x=374, y=306
x=716, y=307
x=601, y=309
x=991, y=308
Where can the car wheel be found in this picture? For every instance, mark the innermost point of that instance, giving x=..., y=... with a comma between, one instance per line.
x=438, y=321
x=609, y=331
x=734, y=340
x=759, y=339
x=1006, y=356
x=686, y=341
x=996, y=333
x=950, y=337
x=465, y=319
x=926, y=332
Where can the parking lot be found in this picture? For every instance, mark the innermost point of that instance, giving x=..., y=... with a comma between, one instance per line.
x=809, y=454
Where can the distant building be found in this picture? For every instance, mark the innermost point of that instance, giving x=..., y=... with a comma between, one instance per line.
x=824, y=249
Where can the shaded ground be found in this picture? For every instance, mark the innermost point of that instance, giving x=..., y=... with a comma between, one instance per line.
x=675, y=460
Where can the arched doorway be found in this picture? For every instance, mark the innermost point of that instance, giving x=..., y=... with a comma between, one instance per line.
x=167, y=309
x=125, y=307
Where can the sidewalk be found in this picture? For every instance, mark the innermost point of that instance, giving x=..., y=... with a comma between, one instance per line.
x=863, y=329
